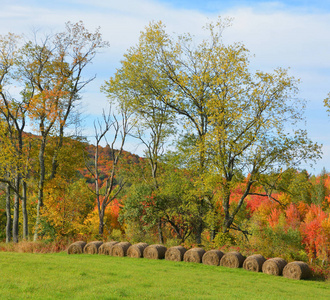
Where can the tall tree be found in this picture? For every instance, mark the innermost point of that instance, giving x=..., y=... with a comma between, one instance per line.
x=153, y=121
x=50, y=73
x=13, y=113
x=241, y=123
x=52, y=70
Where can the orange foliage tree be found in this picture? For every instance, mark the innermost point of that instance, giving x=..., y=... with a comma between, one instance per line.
x=52, y=73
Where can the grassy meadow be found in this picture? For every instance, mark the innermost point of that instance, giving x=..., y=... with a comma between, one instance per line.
x=62, y=276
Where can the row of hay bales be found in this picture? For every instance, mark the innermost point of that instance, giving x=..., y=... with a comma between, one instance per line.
x=255, y=263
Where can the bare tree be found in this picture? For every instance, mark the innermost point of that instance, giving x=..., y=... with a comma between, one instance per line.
x=106, y=193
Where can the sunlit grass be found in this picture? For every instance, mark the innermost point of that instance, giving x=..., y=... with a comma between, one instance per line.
x=62, y=276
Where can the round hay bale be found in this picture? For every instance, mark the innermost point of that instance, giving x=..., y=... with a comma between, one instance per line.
x=175, y=253
x=137, y=250
x=254, y=263
x=76, y=247
x=106, y=248
x=92, y=247
x=212, y=257
x=194, y=255
x=297, y=270
x=120, y=249
x=155, y=252
x=232, y=260
x=274, y=266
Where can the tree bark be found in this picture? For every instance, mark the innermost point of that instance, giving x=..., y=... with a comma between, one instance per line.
x=41, y=184
x=160, y=232
x=199, y=231
x=213, y=234
x=8, y=215
x=58, y=148
x=101, y=222
x=24, y=212
x=16, y=210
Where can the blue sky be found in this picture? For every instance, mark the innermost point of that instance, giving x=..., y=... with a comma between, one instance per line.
x=291, y=34
x=209, y=6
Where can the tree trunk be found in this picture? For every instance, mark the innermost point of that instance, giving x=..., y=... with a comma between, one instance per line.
x=55, y=156
x=24, y=212
x=227, y=223
x=160, y=232
x=213, y=234
x=199, y=228
x=8, y=215
x=101, y=224
x=16, y=209
x=199, y=231
x=36, y=229
x=40, y=186
x=42, y=172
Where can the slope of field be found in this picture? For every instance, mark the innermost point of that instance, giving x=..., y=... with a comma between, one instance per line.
x=62, y=276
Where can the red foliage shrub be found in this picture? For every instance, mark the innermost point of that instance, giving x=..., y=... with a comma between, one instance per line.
x=293, y=218
x=315, y=237
x=274, y=217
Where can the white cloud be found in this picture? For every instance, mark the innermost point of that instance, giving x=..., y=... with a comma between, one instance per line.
x=278, y=36
x=288, y=39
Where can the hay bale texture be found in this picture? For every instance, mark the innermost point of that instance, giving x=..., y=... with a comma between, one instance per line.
x=232, y=260
x=175, y=253
x=274, y=266
x=254, y=263
x=120, y=249
x=92, y=247
x=136, y=250
x=156, y=251
x=212, y=257
x=194, y=255
x=76, y=247
x=297, y=270
x=106, y=248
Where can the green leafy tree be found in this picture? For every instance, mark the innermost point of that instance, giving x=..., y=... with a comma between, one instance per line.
x=241, y=122
x=173, y=203
x=153, y=121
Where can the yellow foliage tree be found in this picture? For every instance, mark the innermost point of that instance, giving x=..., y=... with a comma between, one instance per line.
x=240, y=122
x=66, y=206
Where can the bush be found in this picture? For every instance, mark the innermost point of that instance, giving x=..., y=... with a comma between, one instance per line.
x=223, y=239
x=272, y=242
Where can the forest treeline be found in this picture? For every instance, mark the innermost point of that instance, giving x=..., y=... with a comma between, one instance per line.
x=223, y=146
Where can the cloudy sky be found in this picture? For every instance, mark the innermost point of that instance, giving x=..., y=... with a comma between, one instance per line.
x=290, y=34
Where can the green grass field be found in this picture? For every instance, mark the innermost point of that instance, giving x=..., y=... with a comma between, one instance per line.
x=62, y=276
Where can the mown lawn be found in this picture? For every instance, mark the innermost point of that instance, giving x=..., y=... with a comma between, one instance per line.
x=62, y=276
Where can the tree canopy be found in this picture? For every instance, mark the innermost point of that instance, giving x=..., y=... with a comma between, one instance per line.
x=240, y=122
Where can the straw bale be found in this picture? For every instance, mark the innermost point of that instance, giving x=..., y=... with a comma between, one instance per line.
x=156, y=251
x=274, y=266
x=106, y=248
x=232, y=260
x=92, y=247
x=297, y=270
x=137, y=250
x=194, y=255
x=120, y=249
x=212, y=257
x=175, y=253
x=76, y=247
x=254, y=263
